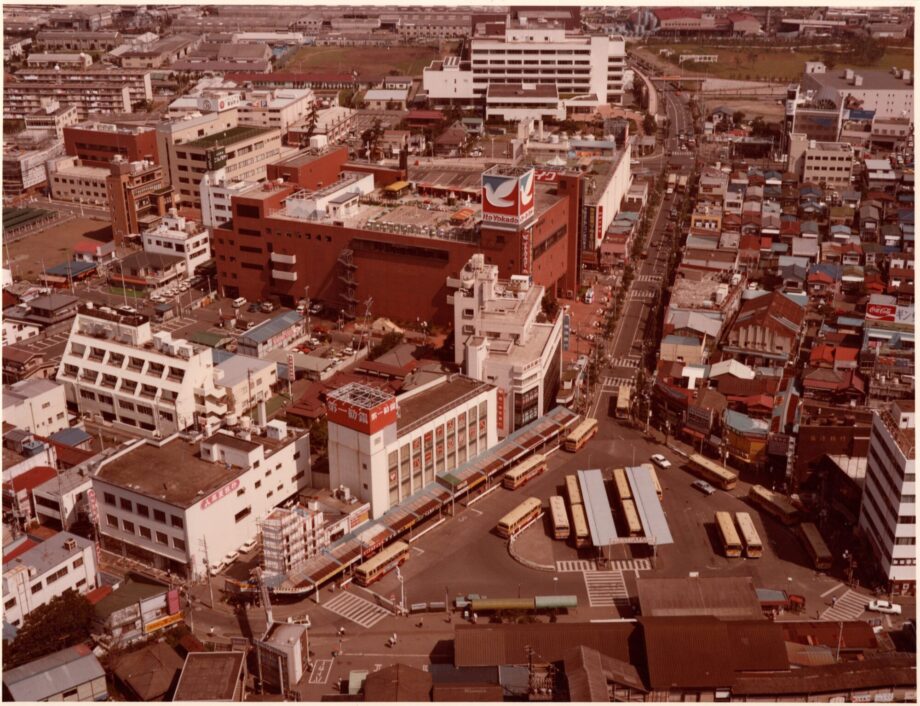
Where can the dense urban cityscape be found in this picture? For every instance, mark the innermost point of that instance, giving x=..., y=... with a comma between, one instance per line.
x=458, y=353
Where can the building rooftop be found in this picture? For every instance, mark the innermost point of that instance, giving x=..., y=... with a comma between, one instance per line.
x=174, y=473
x=872, y=80
x=522, y=90
x=26, y=389
x=237, y=368
x=271, y=328
x=210, y=676
x=415, y=409
x=727, y=598
x=50, y=553
x=53, y=674
x=232, y=136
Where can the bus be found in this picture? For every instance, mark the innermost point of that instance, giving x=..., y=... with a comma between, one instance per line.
x=672, y=182
x=773, y=503
x=383, y=562
x=581, y=435
x=561, y=529
x=572, y=490
x=523, y=514
x=525, y=471
x=753, y=547
x=580, y=525
x=714, y=472
x=622, y=484
x=814, y=544
x=682, y=182
x=731, y=542
x=623, y=398
x=631, y=517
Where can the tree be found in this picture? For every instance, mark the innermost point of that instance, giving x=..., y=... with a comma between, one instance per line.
x=648, y=124
x=550, y=305
x=65, y=621
x=387, y=343
x=738, y=117
x=319, y=436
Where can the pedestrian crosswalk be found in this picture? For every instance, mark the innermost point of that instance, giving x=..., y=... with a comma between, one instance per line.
x=606, y=588
x=849, y=606
x=649, y=278
x=574, y=565
x=616, y=383
x=632, y=564
x=356, y=609
x=625, y=362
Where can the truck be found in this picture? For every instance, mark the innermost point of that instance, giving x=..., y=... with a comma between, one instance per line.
x=672, y=182
x=682, y=183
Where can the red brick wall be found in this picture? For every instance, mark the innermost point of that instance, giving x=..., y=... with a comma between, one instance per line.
x=318, y=173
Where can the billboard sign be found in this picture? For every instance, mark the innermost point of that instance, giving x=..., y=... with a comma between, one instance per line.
x=218, y=494
x=367, y=420
x=500, y=409
x=507, y=196
x=215, y=158
x=881, y=312
x=526, y=251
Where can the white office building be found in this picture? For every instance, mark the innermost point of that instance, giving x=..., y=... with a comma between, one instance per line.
x=248, y=382
x=502, y=337
x=116, y=368
x=193, y=504
x=177, y=236
x=587, y=67
x=385, y=448
x=36, y=405
x=36, y=573
x=889, y=510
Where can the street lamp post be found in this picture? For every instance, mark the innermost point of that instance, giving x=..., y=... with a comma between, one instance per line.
x=555, y=584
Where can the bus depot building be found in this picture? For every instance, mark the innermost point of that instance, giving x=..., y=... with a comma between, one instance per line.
x=387, y=448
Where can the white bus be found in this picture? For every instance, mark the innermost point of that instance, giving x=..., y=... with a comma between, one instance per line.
x=714, y=472
x=380, y=564
x=753, y=547
x=580, y=436
x=524, y=471
x=523, y=514
x=731, y=542
x=561, y=528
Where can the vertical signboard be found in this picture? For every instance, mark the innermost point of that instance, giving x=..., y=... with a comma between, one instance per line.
x=526, y=251
x=500, y=409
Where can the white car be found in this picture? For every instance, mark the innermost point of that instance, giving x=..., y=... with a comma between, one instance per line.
x=884, y=607
x=230, y=557
x=661, y=461
x=349, y=351
x=217, y=568
x=249, y=546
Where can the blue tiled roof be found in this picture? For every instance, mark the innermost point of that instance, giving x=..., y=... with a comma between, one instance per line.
x=73, y=436
x=272, y=327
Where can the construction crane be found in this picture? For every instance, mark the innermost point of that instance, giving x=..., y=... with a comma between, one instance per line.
x=365, y=333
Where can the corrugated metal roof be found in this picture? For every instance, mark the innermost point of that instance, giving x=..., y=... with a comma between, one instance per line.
x=597, y=507
x=52, y=674
x=729, y=597
x=692, y=652
x=648, y=505
x=272, y=327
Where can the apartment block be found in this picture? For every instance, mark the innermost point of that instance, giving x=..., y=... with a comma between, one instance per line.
x=175, y=235
x=829, y=163
x=138, y=82
x=889, y=508
x=23, y=98
x=195, y=503
x=116, y=368
x=52, y=116
x=34, y=573
x=502, y=337
x=67, y=40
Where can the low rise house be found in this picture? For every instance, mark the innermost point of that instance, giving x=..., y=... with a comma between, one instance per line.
x=72, y=674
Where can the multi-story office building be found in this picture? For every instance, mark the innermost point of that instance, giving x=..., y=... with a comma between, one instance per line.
x=502, y=337
x=115, y=367
x=195, y=503
x=587, y=67
x=523, y=101
x=97, y=144
x=890, y=94
x=829, y=163
x=71, y=181
x=383, y=455
x=889, y=507
x=139, y=195
x=186, y=129
x=52, y=116
x=34, y=573
x=174, y=235
x=25, y=157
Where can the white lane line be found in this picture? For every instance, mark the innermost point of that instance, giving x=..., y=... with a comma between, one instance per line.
x=831, y=590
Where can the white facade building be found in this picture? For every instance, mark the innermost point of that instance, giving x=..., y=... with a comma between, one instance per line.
x=527, y=101
x=115, y=367
x=217, y=193
x=385, y=448
x=279, y=108
x=193, y=504
x=177, y=236
x=37, y=405
x=889, y=511
x=16, y=331
x=890, y=94
x=34, y=576
x=248, y=382
x=502, y=337
x=578, y=64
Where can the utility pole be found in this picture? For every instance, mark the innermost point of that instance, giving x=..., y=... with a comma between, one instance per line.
x=207, y=571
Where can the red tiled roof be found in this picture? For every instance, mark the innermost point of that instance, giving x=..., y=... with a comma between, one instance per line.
x=675, y=13
x=26, y=545
x=97, y=594
x=87, y=246
x=32, y=478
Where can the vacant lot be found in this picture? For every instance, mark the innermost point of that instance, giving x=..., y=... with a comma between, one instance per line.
x=371, y=63
x=53, y=246
x=759, y=62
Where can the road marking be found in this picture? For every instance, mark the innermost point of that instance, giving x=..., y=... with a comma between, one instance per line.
x=632, y=564
x=356, y=609
x=849, y=606
x=322, y=668
x=606, y=588
x=574, y=565
x=473, y=509
x=831, y=590
x=418, y=551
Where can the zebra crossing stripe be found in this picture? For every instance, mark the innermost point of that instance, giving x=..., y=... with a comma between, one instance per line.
x=849, y=606
x=606, y=588
x=356, y=609
x=574, y=565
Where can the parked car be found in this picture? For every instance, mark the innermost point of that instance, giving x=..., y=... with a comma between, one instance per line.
x=126, y=310
x=661, y=461
x=247, y=547
x=884, y=607
x=253, y=307
x=301, y=308
x=267, y=307
x=703, y=487
x=349, y=351
x=217, y=568
x=239, y=302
